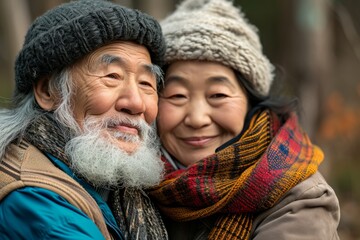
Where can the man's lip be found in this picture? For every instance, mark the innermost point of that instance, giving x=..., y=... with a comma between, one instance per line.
x=126, y=129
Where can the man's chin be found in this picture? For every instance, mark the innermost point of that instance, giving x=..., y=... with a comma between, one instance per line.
x=110, y=159
x=128, y=147
x=125, y=142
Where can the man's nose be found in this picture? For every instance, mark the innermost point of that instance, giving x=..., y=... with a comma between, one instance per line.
x=130, y=99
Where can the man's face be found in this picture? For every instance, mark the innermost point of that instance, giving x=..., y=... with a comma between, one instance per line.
x=114, y=103
x=116, y=81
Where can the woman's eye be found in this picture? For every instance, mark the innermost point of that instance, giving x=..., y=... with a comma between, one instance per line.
x=218, y=95
x=177, y=96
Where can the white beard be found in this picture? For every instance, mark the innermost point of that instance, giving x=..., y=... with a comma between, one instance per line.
x=96, y=157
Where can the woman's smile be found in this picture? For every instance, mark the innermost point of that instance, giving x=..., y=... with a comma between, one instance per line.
x=198, y=141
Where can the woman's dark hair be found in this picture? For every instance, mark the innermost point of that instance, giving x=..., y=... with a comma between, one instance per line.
x=281, y=105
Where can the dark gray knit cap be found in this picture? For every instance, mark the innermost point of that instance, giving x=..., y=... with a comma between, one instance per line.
x=70, y=31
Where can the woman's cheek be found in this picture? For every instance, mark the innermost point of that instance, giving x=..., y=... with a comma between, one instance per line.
x=168, y=115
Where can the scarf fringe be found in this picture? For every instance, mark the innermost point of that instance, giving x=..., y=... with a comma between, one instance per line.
x=232, y=226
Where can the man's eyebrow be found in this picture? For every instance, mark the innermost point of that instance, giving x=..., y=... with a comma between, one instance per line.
x=108, y=59
x=156, y=71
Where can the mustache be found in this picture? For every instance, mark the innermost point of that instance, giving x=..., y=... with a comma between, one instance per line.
x=92, y=124
x=105, y=165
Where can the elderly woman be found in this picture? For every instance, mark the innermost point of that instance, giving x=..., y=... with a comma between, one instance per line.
x=238, y=164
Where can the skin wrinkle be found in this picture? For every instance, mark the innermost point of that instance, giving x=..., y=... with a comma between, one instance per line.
x=108, y=151
x=196, y=109
x=130, y=73
x=110, y=119
x=107, y=60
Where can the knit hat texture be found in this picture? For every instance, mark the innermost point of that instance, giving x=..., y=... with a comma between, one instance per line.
x=215, y=30
x=70, y=31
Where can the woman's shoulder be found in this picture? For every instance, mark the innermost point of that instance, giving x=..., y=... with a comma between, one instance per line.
x=310, y=209
x=311, y=188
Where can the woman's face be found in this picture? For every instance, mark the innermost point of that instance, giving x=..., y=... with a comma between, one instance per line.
x=201, y=107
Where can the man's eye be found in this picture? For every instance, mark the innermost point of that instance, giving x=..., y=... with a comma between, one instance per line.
x=113, y=76
x=147, y=84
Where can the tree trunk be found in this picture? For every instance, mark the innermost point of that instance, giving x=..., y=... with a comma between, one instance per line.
x=15, y=19
x=311, y=57
x=159, y=9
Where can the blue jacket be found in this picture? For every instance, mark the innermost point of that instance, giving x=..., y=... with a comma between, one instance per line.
x=37, y=213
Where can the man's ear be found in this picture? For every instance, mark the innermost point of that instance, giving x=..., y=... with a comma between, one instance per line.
x=44, y=98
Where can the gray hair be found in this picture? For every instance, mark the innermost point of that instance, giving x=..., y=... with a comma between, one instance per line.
x=14, y=121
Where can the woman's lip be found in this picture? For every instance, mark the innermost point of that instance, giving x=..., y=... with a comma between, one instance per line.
x=197, y=141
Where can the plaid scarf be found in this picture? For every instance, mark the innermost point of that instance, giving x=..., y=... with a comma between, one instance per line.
x=241, y=180
x=134, y=212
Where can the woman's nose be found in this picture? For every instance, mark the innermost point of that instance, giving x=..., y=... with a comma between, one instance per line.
x=198, y=115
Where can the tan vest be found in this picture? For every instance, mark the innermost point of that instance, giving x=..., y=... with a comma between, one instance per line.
x=24, y=165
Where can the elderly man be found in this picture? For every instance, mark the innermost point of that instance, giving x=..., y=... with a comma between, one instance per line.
x=78, y=145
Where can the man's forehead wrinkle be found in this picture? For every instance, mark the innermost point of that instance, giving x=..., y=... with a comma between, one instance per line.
x=104, y=61
x=108, y=59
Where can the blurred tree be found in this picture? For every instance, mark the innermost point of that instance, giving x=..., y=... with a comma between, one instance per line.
x=308, y=55
x=38, y=7
x=317, y=45
x=16, y=16
x=156, y=8
x=15, y=19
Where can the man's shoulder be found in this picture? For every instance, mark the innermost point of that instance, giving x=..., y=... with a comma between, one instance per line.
x=48, y=213
x=25, y=168
x=24, y=165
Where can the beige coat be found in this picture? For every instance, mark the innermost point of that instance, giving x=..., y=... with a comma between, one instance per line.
x=24, y=165
x=309, y=211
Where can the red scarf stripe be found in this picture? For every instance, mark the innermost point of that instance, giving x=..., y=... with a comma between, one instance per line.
x=247, y=177
x=291, y=153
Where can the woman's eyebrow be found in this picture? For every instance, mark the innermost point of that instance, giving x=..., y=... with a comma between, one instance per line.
x=220, y=79
x=176, y=79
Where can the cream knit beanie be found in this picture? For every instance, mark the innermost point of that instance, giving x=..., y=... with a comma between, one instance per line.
x=215, y=30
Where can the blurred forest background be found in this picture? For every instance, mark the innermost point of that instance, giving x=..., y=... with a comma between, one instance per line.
x=315, y=46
